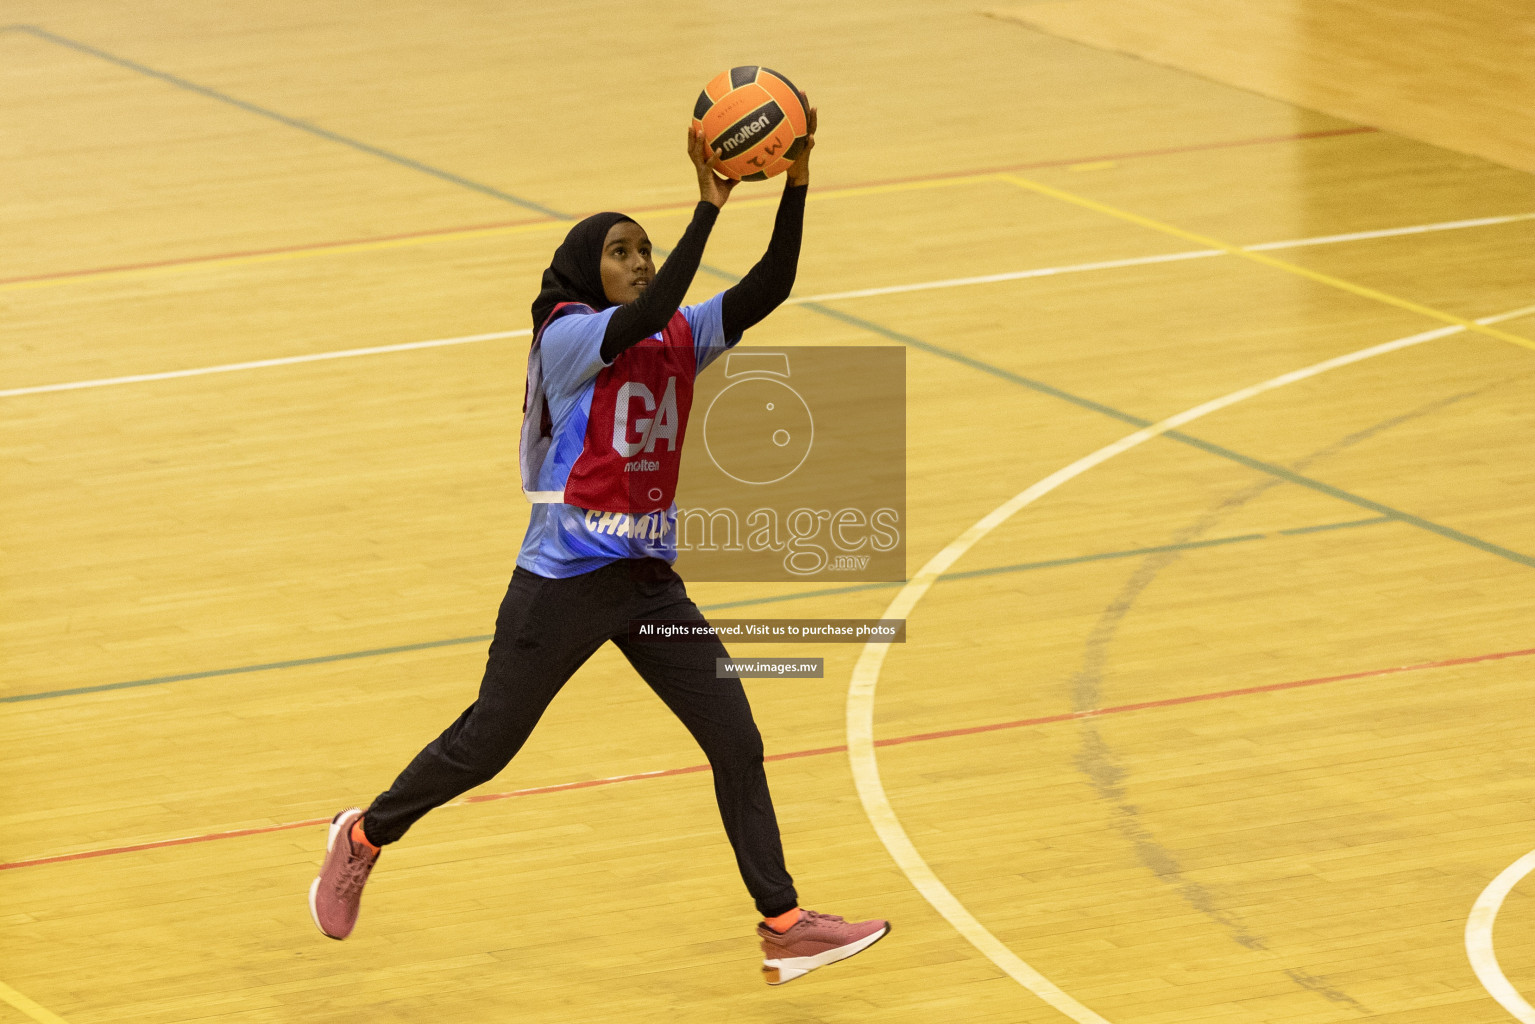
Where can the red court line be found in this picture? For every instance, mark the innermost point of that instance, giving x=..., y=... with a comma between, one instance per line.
x=1035, y=165
x=185, y=260
x=814, y=752
x=1198, y=697
x=584, y=784
x=184, y=840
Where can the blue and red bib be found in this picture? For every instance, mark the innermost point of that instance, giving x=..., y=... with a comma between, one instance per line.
x=602, y=444
x=635, y=429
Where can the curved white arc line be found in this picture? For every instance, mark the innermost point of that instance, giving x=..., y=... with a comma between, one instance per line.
x=1479, y=939
x=865, y=677
x=313, y=357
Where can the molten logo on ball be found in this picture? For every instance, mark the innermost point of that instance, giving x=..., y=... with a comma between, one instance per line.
x=755, y=122
x=727, y=147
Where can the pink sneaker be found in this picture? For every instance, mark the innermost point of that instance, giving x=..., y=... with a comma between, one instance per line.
x=815, y=940
x=335, y=894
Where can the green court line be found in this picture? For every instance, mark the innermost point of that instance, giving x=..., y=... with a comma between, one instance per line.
x=291, y=122
x=1293, y=477
x=242, y=669
x=376, y=652
x=800, y=595
x=1296, y=531
x=824, y=310
x=820, y=308
x=976, y=364
x=1289, y=476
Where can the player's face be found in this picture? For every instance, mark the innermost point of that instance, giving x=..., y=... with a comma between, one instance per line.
x=626, y=266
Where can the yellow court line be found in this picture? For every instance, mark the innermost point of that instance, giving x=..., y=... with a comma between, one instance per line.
x=1267, y=260
x=41, y=1014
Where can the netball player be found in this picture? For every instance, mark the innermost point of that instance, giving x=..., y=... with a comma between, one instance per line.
x=610, y=382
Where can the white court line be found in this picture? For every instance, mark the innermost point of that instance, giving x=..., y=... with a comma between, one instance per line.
x=1016, y=275
x=865, y=678
x=1418, y=229
x=1170, y=257
x=1479, y=939
x=313, y=357
x=953, y=282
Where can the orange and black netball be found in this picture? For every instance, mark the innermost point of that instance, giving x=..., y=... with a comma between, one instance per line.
x=754, y=122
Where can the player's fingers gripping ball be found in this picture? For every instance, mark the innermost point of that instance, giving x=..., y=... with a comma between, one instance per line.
x=753, y=122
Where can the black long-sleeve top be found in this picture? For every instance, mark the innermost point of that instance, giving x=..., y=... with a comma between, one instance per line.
x=746, y=303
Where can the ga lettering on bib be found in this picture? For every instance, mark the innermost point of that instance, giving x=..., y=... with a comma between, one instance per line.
x=632, y=450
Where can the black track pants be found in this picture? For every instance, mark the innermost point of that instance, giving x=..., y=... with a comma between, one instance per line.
x=545, y=630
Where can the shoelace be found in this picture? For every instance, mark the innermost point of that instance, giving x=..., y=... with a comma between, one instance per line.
x=354, y=873
x=811, y=914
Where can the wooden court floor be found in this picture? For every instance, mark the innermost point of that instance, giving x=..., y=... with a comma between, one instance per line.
x=1216, y=705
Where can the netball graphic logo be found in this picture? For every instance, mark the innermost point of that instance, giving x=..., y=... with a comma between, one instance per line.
x=758, y=430
x=757, y=503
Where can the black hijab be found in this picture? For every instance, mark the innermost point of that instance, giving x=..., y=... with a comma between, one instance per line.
x=575, y=273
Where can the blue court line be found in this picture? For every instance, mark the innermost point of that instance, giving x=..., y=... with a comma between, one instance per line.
x=1054, y=563
x=976, y=364
x=1365, y=503
x=243, y=669
x=376, y=652
x=1288, y=475
x=304, y=126
x=1298, y=531
x=824, y=310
